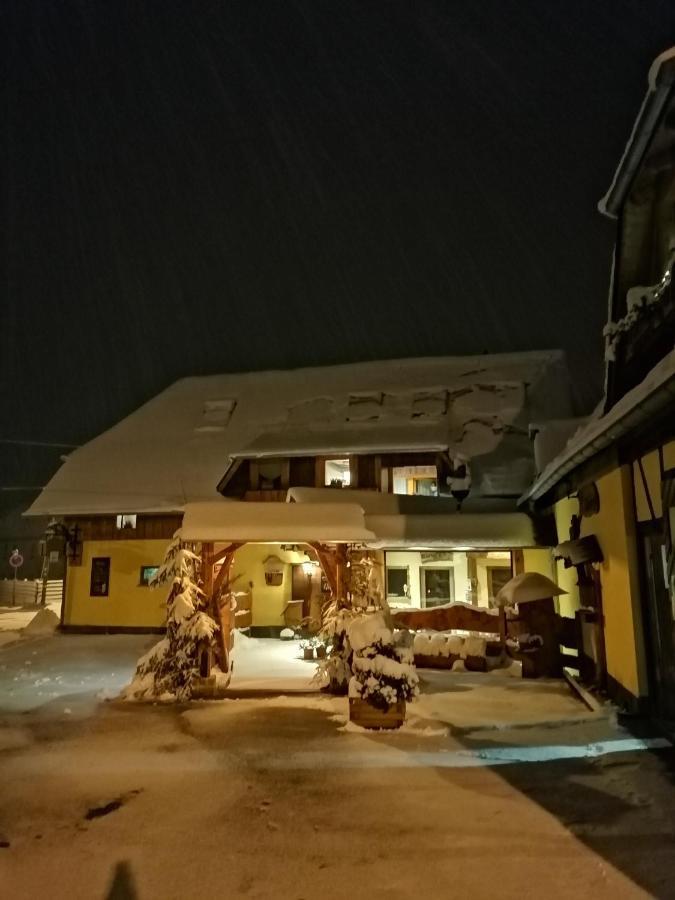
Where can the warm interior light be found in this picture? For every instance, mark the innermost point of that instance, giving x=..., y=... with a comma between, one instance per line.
x=308, y=567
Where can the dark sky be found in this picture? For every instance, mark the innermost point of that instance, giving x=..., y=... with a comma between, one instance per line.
x=200, y=187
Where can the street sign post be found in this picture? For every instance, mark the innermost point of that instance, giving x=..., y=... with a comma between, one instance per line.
x=15, y=561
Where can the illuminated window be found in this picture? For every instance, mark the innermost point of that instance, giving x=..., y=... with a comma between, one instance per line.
x=415, y=480
x=100, y=576
x=126, y=521
x=147, y=574
x=337, y=473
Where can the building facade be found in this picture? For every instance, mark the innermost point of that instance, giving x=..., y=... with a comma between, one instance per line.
x=419, y=462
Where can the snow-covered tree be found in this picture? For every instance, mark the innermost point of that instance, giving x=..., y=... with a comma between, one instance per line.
x=362, y=591
x=167, y=671
x=382, y=662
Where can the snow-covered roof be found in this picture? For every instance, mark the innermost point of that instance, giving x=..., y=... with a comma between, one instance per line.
x=661, y=79
x=348, y=522
x=647, y=399
x=176, y=448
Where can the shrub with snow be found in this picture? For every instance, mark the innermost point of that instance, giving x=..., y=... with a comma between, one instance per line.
x=334, y=671
x=383, y=667
x=169, y=668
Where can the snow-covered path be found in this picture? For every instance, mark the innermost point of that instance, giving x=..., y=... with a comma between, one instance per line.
x=67, y=673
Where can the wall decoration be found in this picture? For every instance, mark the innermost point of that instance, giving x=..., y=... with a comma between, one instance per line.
x=274, y=571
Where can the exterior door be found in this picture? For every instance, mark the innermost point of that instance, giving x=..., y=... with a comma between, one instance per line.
x=661, y=624
x=301, y=588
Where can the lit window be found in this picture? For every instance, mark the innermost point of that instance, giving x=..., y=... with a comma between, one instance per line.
x=100, y=576
x=337, y=473
x=438, y=586
x=420, y=480
x=126, y=521
x=147, y=575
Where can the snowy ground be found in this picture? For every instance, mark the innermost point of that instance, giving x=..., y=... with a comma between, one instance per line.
x=67, y=674
x=272, y=798
x=262, y=664
x=282, y=798
x=13, y=619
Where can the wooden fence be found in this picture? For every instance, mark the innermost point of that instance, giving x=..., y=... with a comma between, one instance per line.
x=29, y=591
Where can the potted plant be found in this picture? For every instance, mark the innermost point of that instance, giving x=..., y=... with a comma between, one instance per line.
x=384, y=676
x=320, y=650
x=307, y=648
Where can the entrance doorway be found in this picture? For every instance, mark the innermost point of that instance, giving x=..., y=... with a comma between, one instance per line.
x=301, y=587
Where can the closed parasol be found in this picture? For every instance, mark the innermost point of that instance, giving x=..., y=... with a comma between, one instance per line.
x=527, y=587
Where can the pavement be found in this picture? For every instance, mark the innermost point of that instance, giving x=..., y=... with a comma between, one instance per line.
x=282, y=798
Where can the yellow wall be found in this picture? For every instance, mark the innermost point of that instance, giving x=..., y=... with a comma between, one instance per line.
x=268, y=601
x=614, y=527
x=127, y=604
x=652, y=471
x=538, y=559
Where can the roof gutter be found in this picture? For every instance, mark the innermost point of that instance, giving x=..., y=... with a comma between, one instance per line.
x=637, y=415
x=661, y=79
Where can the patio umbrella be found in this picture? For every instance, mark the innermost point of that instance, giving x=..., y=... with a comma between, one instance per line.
x=526, y=587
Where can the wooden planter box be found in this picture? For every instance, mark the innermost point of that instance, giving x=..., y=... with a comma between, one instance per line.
x=427, y=661
x=362, y=713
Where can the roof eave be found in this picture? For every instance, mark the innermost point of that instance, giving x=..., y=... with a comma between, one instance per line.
x=661, y=80
x=632, y=418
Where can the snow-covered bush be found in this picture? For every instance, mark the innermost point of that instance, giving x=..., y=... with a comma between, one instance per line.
x=334, y=671
x=168, y=669
x=382, y=665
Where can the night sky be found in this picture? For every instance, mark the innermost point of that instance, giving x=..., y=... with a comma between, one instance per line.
x=198, y=187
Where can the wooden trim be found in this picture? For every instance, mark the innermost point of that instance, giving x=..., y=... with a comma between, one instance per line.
x=645, y=487
x=319, y=471
x=353, y=471
x=113, y=629
x=253, y=475
x=148, y=527
x=285, y=473
x=377, y=476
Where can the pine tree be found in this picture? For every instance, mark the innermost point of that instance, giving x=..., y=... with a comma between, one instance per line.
x=169, y=668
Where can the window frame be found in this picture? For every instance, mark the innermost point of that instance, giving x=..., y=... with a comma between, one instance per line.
x=406, y=598
x=337, y=459
x=141, y=581
x=126, y=521
x=424, y=570
x=105, y=592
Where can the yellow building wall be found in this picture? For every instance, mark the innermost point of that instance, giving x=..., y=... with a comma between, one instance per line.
x=248, y=570
x=539, y=559
x=614, y=527
x=652, y=471
x=568, y=603
x=128, y=604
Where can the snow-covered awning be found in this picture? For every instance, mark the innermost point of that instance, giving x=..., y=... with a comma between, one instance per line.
x=459, y=531
x=234, y=520
x=348, y=523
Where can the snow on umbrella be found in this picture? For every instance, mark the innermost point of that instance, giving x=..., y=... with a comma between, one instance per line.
x=526, y=587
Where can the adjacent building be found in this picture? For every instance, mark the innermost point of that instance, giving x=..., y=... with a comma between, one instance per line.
x=612, y=485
